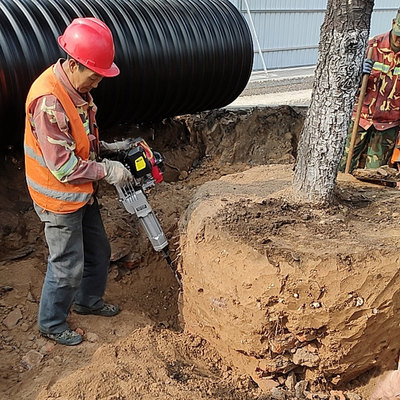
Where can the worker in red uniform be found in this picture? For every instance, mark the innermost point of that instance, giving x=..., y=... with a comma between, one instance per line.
x=380, y=114
x=62, y=172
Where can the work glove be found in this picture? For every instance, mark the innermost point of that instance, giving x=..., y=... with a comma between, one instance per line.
x=122, y=145
x=116, y=173
x=367, y=66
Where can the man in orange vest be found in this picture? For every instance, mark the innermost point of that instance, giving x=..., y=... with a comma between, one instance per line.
x=62, y=172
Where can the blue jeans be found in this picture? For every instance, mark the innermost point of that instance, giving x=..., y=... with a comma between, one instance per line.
x=78, y=264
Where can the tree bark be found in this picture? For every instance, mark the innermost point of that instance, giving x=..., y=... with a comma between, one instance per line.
x=343, y=40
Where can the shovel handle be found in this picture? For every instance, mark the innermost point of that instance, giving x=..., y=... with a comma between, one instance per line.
x=358, y=115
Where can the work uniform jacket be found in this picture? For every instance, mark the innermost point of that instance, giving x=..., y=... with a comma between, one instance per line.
x=60, y=164
x=381, y=106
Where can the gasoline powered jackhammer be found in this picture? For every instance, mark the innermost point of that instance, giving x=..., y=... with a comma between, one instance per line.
x=145, y=167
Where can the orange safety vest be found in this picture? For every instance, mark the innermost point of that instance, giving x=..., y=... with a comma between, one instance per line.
x=45, y=189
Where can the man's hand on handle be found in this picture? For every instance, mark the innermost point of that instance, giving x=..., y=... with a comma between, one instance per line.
x=367, y=66
x=116, y=173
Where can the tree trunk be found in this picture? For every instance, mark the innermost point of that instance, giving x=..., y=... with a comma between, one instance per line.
x=343, y=41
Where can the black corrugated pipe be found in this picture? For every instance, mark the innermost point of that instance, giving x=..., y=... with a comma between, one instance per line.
x=176, y=56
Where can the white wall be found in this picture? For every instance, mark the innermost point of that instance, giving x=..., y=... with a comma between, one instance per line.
x=288, y=30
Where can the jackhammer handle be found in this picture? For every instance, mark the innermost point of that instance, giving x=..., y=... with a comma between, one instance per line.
x=358, y=115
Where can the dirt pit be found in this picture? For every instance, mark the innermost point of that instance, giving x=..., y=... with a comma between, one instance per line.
x=255, y=264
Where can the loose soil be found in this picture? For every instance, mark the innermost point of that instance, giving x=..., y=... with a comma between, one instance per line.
x=228, y=213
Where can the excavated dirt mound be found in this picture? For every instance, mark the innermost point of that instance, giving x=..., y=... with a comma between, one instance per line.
x=143, y=353
x=278, y=286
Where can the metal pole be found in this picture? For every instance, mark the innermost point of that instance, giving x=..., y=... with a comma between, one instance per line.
x=256, y=37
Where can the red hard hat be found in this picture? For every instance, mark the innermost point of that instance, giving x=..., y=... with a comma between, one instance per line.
x=90, y=41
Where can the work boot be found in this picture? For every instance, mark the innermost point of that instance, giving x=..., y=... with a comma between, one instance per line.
x=68, y=337
x=108, y=310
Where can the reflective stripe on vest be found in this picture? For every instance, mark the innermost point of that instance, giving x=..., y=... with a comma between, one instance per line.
x=381, y=67
x=64, y=196
x=29, y=152
x=62, y=172
x=45, y=186
x=385, y=68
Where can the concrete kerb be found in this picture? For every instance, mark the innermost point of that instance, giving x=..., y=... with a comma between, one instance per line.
x=291, y=86
x=283, y=74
